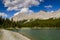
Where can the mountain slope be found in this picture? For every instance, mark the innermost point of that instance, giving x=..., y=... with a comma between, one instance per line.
x=39, y=15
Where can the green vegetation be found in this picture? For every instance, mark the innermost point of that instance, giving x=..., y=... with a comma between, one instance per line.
x=42, y=23
x=6, y=23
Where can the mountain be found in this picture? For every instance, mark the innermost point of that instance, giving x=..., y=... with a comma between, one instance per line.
x=39, y=15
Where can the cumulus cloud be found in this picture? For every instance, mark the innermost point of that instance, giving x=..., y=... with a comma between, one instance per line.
x=3, y=14
x=52, y=11
x=19, y=4
x=41, y=0
x=22, y=6
x=48, y=6
x=24, y=10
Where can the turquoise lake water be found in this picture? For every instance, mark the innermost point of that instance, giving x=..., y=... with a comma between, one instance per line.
x=42, y=34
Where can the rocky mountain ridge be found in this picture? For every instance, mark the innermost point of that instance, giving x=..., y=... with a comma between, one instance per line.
x=39, y=15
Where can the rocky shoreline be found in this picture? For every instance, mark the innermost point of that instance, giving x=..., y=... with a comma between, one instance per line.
x=10, y=35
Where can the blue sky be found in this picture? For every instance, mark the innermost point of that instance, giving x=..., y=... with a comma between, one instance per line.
x=47, y=5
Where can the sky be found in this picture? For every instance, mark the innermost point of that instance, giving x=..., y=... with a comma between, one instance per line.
x=10, y=8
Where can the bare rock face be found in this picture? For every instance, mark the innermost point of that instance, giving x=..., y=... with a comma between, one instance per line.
x=9, y=35
x=39, y=15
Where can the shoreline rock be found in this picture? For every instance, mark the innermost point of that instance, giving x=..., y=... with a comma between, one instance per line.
x=10, y=35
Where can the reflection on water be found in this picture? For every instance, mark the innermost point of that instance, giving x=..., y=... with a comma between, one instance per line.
x=43, y=34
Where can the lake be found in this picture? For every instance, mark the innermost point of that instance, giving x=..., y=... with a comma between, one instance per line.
x=42, y=34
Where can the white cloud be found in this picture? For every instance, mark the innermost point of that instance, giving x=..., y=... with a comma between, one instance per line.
x=19, y=4
x=41, y=0
x=52, y=11
x=3, y=14
x=24, y=10
x=48, y=6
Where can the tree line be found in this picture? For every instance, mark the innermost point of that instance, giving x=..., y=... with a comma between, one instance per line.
x=6, y=23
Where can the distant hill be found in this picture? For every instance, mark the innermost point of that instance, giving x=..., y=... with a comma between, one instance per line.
x=39, y=15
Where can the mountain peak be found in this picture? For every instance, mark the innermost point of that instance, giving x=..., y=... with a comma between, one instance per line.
x=40, y=15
